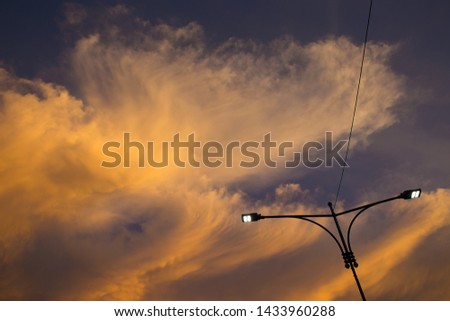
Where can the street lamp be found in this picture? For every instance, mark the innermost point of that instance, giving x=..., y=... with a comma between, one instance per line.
x=412, y=193
x=344, y=244
x=250, y=217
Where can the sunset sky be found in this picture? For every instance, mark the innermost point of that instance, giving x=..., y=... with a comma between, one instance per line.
x=76, y=75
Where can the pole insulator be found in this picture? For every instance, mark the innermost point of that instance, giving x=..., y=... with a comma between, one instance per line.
x=349, y=258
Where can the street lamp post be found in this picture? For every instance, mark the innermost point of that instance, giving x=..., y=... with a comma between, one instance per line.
x=343, y=243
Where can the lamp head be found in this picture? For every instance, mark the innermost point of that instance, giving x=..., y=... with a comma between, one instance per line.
x=411, y=193
x=250, y=217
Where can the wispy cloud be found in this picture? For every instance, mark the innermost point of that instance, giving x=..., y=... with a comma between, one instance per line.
x=71, y=229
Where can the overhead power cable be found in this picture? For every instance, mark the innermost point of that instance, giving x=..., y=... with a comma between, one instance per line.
x=355, y=105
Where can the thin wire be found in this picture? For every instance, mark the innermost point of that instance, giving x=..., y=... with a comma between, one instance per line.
x=356, y=104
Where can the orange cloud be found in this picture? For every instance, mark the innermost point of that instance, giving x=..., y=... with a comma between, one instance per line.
x=71, y=229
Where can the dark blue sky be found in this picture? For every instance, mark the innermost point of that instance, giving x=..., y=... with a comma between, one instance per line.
x=34, y=39
x=82, y=219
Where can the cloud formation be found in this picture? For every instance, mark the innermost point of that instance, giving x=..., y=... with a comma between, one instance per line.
x=71, y=229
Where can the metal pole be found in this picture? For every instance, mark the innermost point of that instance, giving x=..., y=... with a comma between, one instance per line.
x=348, y=256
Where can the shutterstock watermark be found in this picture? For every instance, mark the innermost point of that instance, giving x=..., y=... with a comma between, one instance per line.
x=189, y=152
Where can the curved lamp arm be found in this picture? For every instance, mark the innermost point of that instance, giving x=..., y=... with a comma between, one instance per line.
x=253, y=217
x=325, y=229
x=350, y=228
